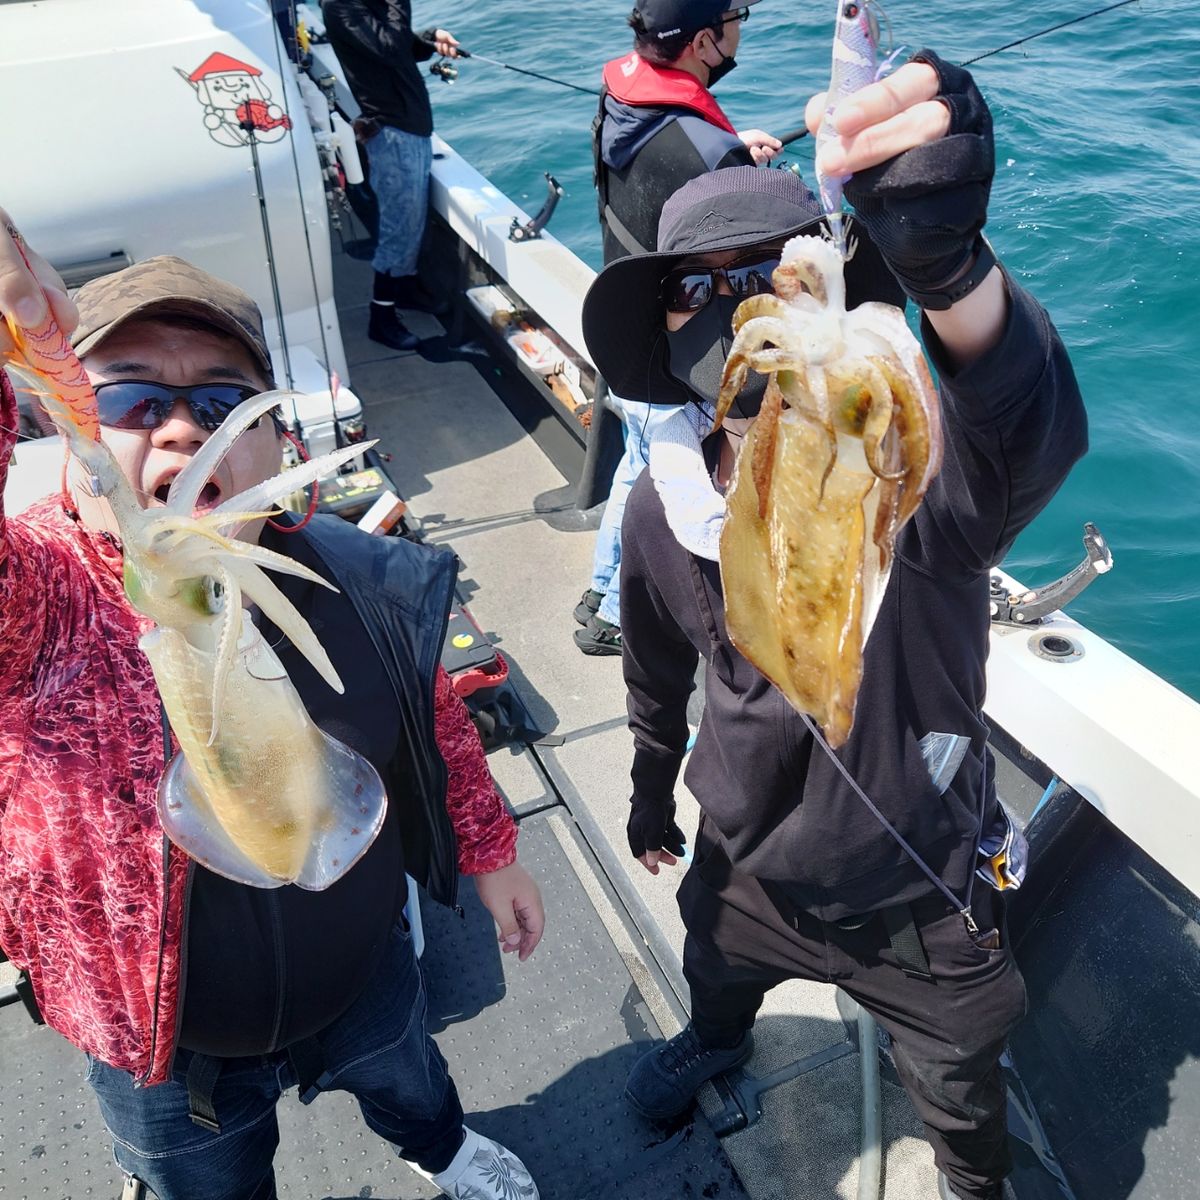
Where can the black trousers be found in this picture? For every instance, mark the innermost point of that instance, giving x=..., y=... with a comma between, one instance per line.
x=947, y=1032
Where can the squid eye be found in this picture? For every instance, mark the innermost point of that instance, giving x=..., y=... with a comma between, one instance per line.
x=214, y=595
x=850, y=11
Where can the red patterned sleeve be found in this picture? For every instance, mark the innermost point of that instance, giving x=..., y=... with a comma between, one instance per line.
x=487, y=834
x=24, y=577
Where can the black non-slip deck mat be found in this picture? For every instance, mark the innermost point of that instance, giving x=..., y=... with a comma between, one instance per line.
x=539, y=1051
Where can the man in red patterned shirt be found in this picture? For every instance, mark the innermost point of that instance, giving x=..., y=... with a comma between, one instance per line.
x=196, y=999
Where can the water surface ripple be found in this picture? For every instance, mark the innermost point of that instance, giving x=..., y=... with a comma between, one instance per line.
x=1095, y=206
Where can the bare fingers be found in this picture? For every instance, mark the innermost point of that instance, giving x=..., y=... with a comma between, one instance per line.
x=913, y=84
x=763, y=146
x=27, y=281
x=531, y=916
x=651, y=859
x=447, y=44
x=926, y=122
x=882, y=120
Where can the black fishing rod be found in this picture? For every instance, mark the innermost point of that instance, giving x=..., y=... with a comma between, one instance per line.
x=447, y=72
x=1052, y=29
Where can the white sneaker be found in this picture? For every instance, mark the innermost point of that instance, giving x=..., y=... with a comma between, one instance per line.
x=483, y=1170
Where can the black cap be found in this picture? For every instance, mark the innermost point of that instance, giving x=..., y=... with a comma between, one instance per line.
x=731, y=209
x=666, y=18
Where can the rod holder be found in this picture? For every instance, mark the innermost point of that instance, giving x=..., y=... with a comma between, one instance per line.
x=533, y=229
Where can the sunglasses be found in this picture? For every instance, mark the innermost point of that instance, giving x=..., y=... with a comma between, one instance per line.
x=739, y=14
x=689, y=289
x=137, y=404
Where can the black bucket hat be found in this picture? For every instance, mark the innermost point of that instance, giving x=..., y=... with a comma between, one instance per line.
x=731, y=209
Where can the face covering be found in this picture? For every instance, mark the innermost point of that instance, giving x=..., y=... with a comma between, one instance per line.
x=697, y=354
x=717, y=73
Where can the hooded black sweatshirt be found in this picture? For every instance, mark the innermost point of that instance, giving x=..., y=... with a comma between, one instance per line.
x=657, y=129
x=1014, y=424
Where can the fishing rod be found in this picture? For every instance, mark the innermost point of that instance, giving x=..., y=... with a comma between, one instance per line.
x=797, y=134
x=448, y=72
x=1052, y=29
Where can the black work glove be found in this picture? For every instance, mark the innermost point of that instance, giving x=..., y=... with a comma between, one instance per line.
x=925, y=208
x=652, y=826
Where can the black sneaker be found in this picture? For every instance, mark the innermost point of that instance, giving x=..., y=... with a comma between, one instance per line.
x=599, y=637
x=387, y=328
x=663, y=1082
x=588, y=606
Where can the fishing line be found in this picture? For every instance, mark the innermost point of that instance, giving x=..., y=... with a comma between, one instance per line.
x=1097, y=12
x=1053, y=28
x=795, y=135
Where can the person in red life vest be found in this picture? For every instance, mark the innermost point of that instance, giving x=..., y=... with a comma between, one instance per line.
x=197, y=999
x=659, y=124
x=658, y=127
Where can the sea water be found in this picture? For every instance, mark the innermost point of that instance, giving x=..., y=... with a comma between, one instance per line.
x=1095, y=208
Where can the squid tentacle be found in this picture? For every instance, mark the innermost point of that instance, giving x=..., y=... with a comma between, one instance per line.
x=227, y=642
x=879, y=420
x=286, y=482
x=281, y=612
x=186, y=487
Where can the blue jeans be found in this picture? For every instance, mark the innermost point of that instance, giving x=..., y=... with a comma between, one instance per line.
x=378, y=1051
x=641, y=420
x=400, y=166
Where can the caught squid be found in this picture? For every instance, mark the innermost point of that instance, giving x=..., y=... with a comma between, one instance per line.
x=258, y=793
x=846, y=443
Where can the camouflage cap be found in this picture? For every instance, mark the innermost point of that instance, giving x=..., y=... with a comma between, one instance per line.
x=162, y=285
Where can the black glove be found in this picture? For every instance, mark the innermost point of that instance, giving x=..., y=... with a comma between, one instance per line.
x=652, y=827
x=925, y=208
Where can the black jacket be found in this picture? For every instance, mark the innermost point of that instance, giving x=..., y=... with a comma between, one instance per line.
x=379, y=52
x=641, y=156
x=267, y=967
x=1014, y=424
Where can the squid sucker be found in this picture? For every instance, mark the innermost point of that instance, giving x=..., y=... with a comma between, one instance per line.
x=258, y=793
x=848, y=440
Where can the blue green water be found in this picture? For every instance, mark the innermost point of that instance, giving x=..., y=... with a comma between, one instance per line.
x=1096, y=206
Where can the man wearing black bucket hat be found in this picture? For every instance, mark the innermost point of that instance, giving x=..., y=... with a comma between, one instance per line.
x=793, y=875
x=658, y=126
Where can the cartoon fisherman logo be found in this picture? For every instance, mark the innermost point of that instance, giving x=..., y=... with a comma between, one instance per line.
x=233, y=94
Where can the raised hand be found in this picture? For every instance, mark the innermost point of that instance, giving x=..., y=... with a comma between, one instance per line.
x=27, y=282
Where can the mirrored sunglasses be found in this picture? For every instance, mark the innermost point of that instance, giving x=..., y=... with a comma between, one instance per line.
x=138, y=404
x=689, y=289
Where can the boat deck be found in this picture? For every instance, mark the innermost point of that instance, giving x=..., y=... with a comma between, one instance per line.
x=540, y=1051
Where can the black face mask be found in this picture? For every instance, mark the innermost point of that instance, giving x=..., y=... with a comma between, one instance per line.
x=717, y=73
x=697, y=353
